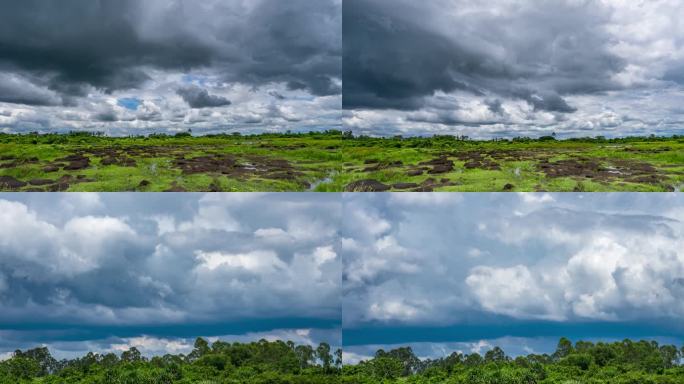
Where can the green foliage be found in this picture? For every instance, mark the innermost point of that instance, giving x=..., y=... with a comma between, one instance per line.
x=625, y=362
x=261, y=362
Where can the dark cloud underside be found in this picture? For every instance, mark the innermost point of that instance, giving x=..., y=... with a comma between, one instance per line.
x=395, y=59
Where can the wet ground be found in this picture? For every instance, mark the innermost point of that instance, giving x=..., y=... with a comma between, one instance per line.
x=284, y=165
x=446, y=168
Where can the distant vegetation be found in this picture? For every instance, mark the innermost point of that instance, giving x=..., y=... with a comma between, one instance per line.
x=260, y=362
x=625, y=362
x=333, y=161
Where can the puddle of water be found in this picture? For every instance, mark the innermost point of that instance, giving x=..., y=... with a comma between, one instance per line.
x=324, y=180
x=249, y=167
x=613, y=170
x=319, y=182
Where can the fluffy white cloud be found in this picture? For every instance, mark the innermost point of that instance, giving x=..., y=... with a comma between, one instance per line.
x=554, y=257
x=120, y=259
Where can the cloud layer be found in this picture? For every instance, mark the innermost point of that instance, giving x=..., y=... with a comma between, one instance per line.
x=88, y=267
x=512, y=68
x=452, y=267
x=62, y=65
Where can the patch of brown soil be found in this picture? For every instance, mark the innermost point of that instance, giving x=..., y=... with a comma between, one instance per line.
x=9, y=182
x=442, y=164
x=17, y=162
x=628, y=170
x=75, y=162
x=368, y=185
x=474, y=160
x=382, y=165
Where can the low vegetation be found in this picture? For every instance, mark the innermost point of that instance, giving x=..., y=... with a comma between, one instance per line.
x=334, y=161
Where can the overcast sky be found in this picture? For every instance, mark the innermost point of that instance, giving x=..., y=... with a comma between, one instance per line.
x=503, y=68
x=102, y=272
x=448, y=272
x=441, y=272
x=131, y=66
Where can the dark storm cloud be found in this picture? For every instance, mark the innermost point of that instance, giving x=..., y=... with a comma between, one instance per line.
x=89, y=42
x=394, y=58
x=113, y=44
x=197, y=97
x=298, y=42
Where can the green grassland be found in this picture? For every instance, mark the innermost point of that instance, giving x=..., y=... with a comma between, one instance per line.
x=335, y=161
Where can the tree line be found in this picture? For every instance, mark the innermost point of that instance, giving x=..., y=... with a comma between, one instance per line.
x=262, y=362
x=280, y=362
x=624, y=362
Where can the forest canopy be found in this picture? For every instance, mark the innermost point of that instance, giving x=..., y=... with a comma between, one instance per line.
x=220, y=362
x=624, y=362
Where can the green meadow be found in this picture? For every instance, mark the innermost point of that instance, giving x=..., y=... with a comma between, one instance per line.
x=336, y=161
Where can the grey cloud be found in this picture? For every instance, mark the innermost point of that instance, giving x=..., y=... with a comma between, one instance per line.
x=112, y=45
x=19, y=90
x=123, y=260
x=197, y=97
x=557, y=258
x=394, y=59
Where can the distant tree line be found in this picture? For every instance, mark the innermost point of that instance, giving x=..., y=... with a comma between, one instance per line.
x=435, y=141
x=624, y=362
x=261, y=362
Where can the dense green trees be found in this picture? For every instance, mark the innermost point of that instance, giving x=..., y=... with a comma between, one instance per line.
x=221, y=362
x=625, y=362
x=264, y=362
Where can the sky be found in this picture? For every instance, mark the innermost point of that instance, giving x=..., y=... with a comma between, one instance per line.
x=503, y=68
x=440, y=272
x=86, y=272
x=449, y=272
x=136, y=67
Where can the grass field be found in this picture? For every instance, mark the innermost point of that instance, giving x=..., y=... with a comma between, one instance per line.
x=334, y=161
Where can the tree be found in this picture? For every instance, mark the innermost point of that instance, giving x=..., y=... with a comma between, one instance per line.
x=563, y=349
x=495, y=355
x=305, y=354
x=323, y=354
x=386, y=368
x=133, y=355
x=670, y=355
x=338, y=357
x=201, y=348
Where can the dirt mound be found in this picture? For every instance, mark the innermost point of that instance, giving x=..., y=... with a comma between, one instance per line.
x=439, y=165
x=51, y=168
x=595, y=169
x=9, y=182
x=41, y=182
x=368, y=185
x=18, y=162
x=383, y=165
x=121, y=161
x=75, y=162
x=478, y=160
x=404, y=185
x=207, y=164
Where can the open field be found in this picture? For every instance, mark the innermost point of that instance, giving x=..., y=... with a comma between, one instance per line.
x=166, y=163
x=334, y=161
